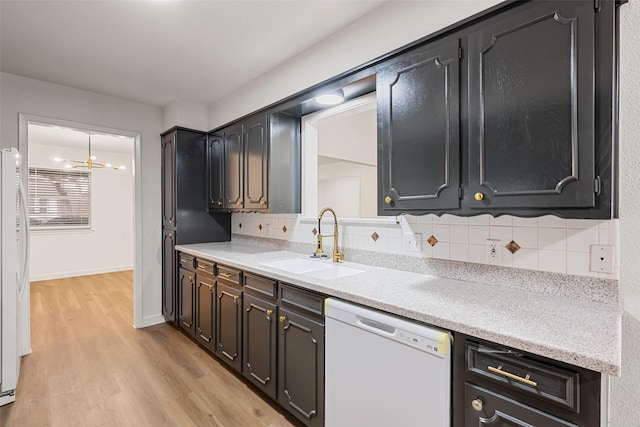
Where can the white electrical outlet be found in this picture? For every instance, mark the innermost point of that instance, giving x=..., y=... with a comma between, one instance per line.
x=601, y=259
x=412, y=242
x=267, y=229
x=494, y=251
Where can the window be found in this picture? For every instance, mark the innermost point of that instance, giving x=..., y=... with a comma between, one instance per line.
x=59, y=199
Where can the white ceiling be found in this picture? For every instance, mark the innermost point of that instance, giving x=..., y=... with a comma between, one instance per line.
x=159, y=51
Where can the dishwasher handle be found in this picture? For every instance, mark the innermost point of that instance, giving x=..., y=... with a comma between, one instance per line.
x=377, y=326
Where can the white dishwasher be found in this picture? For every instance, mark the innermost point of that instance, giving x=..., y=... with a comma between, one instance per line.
x=381, y=370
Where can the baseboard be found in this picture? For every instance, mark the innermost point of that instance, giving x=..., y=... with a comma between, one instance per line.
x=150, y=321
x=76, y=273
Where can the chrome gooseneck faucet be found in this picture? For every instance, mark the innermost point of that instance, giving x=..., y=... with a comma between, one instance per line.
x=337, y=255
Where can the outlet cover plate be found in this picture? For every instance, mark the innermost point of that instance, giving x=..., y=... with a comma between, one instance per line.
x=494, y=251
x=601, y=259
x=412, y=242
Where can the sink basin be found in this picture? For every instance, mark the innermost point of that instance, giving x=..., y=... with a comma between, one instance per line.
x=313, y=268
x=334, y=272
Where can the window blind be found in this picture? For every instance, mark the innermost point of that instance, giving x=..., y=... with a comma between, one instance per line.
x=59, y=198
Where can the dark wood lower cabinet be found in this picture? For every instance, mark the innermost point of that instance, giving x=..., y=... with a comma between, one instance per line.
x=259, y=343
x=486, y=408
x=186, y=294
x=205, y=307
x=301, y=367
x=229, y=325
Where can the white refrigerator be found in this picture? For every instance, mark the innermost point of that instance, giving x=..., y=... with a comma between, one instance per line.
x=14, y=273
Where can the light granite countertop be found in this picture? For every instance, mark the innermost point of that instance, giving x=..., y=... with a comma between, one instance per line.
x=579, y=332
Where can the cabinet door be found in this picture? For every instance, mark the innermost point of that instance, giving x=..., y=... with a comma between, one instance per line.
x=256, y=154
x=301, y=367
x=259, y=343
x=531, y=108
x=168, y=275
x=233, y=168
x=205, y=306
x=186, y=294
x=229, y=325
x=215, y=171
x=419, y=131
x=487, y=408
x=169, y=180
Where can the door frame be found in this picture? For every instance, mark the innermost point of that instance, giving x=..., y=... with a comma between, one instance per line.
x=23, y=147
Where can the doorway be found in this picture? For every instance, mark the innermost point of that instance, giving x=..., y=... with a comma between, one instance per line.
x=95, y=230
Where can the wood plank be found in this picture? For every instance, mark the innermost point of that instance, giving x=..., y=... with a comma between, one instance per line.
x=90, y=367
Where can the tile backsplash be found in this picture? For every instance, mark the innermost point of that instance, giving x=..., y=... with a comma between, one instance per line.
x=547, y=243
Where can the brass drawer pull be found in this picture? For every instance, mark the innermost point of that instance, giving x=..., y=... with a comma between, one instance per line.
x=524, y=380
x=225, y=275
x=204, y=267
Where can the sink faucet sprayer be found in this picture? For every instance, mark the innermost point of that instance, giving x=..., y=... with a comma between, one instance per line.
x=337, y=255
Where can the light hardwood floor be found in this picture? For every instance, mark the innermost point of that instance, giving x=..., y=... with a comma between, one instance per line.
x=90, y=367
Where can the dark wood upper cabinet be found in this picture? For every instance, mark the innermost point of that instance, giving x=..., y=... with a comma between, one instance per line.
x=256, y=158
x=531, y=109
x=233, y=167
x=512, y=113
x=169, y=180
x=261, y=165
x=215, y=170
x=419, y=130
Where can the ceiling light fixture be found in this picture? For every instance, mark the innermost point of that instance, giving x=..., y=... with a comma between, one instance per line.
x=90, y=163
x=332, y=98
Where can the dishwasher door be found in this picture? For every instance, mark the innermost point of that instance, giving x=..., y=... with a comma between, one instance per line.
x=384, y=371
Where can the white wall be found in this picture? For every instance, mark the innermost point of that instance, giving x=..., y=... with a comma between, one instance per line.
x=186, y=114
x=625, y=391
x=108, y=245
x=34, y=97
x=350, y=137
x=387, y=28
x=335, y=189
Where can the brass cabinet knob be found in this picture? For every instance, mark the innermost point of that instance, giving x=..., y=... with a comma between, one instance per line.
x=269, y=312
x=263, y=203
x=478, y=196
x=477, y=404
x=235, y=298
x=238, y=203
x=283, y=318
x=219, y=202
x=388, y=200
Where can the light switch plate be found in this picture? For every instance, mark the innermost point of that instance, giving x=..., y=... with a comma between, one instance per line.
x=601, y=259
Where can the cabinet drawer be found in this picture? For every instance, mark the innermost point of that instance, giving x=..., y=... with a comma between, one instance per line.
x=487, y=408
x=260, y=286
x=229, y=275
x=302, y=300
x=516, y=371
x=187, y=261
x=205, y=266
